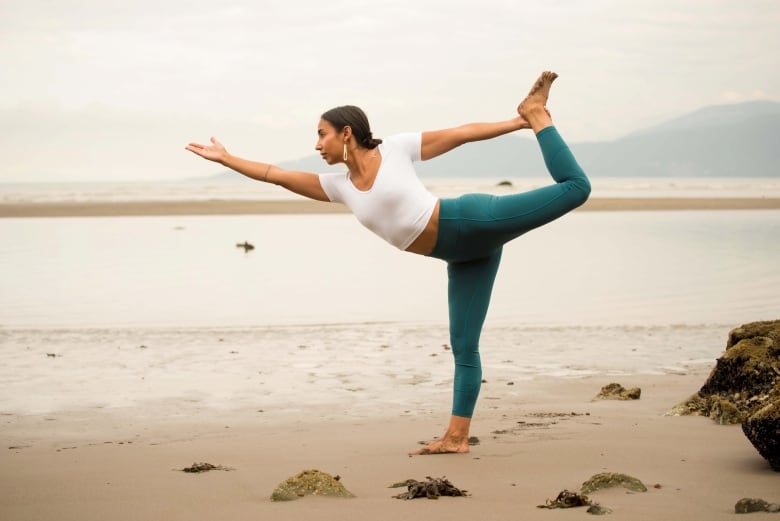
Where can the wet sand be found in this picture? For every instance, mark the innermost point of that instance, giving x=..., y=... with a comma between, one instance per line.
x=260, y=207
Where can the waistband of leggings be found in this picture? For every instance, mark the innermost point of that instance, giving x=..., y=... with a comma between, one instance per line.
x=447, y=236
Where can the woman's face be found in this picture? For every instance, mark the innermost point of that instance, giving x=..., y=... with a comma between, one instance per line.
x=330, y=143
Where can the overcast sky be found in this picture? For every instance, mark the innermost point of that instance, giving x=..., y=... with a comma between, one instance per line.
x=93, y=89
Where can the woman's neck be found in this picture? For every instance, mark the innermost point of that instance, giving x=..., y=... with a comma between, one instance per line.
x=363, y=166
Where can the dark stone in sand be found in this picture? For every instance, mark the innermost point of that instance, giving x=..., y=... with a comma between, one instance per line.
x=744, y=387
x=747, y=505
x=598, y=510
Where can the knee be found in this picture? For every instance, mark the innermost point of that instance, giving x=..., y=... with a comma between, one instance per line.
x=581, y=189
x=466, y=355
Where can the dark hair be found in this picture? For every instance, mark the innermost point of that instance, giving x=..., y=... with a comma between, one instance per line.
x=354, y=118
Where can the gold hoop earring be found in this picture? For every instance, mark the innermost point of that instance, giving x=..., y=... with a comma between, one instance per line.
x=345, y=150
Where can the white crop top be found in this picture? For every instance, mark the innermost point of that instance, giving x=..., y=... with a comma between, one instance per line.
x=398, y=206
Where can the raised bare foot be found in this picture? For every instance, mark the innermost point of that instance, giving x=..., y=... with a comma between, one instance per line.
x=446, y=445
x=539, y=93
x=532, y=109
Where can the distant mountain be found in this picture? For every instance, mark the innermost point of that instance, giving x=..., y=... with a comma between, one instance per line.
x=740, y=140
x=717, y=116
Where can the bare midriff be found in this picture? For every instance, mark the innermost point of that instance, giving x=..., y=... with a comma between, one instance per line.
x=426, y=241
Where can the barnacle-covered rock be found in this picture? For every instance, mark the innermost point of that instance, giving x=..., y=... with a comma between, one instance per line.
x=612, y=479
x=743, y=378
x=310, y=482
x=762, y=428
x=744, y=387
x=615, y=391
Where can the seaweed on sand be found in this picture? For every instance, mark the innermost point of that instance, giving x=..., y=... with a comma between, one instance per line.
x=432, y=488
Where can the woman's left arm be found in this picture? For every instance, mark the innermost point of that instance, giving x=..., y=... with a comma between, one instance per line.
x=438, y=142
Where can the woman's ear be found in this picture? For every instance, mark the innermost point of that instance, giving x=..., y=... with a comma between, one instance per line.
x=346, y=132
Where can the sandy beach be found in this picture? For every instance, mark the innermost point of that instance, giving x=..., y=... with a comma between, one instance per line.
x=114, y=454
x=262, y=207
x=96, y=422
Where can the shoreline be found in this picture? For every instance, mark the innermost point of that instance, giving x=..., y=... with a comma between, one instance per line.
x=281, y=207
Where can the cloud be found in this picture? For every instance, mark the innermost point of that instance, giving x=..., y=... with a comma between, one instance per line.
x=261, y=73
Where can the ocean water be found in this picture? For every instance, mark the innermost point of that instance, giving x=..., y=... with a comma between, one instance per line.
x=589, y=268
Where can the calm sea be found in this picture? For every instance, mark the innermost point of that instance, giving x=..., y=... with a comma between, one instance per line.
x=589, y=268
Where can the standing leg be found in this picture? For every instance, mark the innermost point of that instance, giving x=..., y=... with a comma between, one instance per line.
x=469, y=289
x=472, y=230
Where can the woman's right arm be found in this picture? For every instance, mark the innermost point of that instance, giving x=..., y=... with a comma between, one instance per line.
x=303, y=183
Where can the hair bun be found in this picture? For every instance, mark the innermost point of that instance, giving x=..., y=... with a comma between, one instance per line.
x=370, y=142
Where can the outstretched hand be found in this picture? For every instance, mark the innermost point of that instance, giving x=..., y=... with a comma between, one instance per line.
x=214, y=152
x=524, y=124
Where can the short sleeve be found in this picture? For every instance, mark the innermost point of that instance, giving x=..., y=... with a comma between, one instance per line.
x=411, y=143
x=331, y=184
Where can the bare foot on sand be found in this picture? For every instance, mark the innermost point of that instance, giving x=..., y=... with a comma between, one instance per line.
x=454, y=441
x=446, y=445
x=533, y=109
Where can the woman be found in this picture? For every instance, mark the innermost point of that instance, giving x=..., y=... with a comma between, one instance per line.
x=468, y=232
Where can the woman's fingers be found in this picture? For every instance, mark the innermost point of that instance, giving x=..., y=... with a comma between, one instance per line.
x=211, y=152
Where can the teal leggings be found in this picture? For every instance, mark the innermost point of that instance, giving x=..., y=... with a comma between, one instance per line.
x=472, y=231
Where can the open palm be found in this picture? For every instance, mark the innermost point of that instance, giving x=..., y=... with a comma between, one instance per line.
x=214, y=152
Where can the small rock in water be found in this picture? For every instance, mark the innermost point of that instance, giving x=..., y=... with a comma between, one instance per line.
x=310, y=483
x=615, y=391
x=246, y=245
